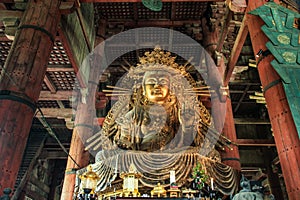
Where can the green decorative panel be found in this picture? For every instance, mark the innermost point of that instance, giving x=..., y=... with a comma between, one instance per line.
x=284, y=54
x=284, y=45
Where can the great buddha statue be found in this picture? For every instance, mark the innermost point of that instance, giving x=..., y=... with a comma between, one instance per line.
x=158, y=124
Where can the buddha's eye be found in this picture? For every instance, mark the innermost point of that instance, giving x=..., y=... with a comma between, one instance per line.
x=164, y=82
x=151, y=81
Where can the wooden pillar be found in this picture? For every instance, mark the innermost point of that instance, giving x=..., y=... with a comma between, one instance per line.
x=79, y=45
x=80, y=156
x=84, y=129
x=21, y=83
x=221, y=105
x=285, y=133
x=230, y=157
x=273, y=178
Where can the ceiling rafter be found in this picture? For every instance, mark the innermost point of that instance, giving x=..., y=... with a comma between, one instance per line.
x=49, y=84
x=256, y=142
x=61, y=68
x=236, y=50
x=251, y=121
x=159, y=23
x=58, y=95
x=225, y=29
x=241, y=99
x=56, y=113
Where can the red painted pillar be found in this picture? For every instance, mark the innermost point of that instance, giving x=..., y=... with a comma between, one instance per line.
x=285, y=133
x=230, y=157
x=221, y=105
x=80, y=156
x=84, y=129
x=273, y=177
x=21, y=83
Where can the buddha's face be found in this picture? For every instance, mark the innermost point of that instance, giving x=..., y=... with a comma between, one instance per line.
x=156, y=86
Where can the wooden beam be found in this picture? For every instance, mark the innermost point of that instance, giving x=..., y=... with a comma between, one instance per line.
x=224, y=30
x=54, y=149
x=236, y=50
x=3, y=38
x=135, y=12
x=60, y=68
x=250, y=121
x=243, y=83
x=34, y=194
x=39, y=184
x=10, y=14
x=2, y=6
x=49, y=84
x=250, y=169
x=39, y=126
x=56, y=112
x=173, y=11
x=245, y=102
x=68, y=5
x=241, y=91
x=7, y=1
x=83, y=29
x=60, y=104
x=256, y=142
x=155, y=23
x=54, y=155
x=51, y=144
x=241, y=99
x=58, y=95
x=28, y=172
x=253, y=164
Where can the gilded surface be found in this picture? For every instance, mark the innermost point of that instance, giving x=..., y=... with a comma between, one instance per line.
x=159, y=111
x=158, y=124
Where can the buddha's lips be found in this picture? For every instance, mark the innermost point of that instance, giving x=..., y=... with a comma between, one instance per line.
x=156, y=92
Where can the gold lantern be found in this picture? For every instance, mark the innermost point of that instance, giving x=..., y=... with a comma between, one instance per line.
x=130, y=182
x=89, y=181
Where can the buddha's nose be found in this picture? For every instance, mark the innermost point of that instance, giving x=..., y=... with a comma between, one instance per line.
x=157, y=85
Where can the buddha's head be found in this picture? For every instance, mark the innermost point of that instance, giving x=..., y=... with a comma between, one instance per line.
x=156, y=86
